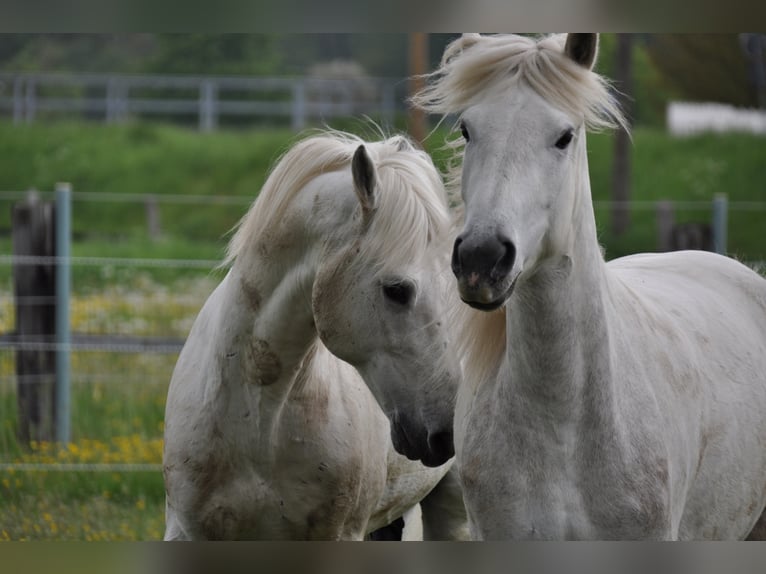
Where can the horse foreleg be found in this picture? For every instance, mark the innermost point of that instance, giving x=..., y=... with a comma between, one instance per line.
x=759, y=530
x=391, y=532
x=443, y=510
x=173, y=530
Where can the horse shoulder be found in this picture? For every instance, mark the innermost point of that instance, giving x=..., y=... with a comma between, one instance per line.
x=695, y=326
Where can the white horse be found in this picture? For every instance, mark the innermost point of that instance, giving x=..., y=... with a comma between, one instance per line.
x=620, y=400
x=326, y=327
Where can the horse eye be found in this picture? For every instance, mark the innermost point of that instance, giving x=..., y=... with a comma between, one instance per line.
x=399, y=293
x=564, y=140
x=464, y=131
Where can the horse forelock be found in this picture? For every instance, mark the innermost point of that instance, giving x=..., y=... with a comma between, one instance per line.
x=474, y=66
x=469, y=69
x=411, y=216
x=411, y=212
x=301, y=163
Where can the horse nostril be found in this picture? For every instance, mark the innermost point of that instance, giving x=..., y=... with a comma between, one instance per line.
x=505, y=263
x=456, y=267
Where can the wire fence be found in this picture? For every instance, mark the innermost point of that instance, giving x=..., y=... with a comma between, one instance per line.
x=130, y=316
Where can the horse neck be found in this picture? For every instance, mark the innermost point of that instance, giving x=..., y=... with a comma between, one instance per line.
x=269, y=321
x=557, y=338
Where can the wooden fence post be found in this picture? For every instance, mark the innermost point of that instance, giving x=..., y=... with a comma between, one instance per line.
x=153, y=218
x=208, y=113
x=418, y=65
x=298, y=119
x=34, y=291
x=720, y=222
x=665, y=219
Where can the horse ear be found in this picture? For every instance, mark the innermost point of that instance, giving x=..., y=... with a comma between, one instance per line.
x=457, y=46
x=365, y=179
x=582, y=48
x=468, y=39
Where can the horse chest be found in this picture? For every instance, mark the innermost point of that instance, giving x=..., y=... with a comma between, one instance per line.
x=529, y=479
x=295, y=496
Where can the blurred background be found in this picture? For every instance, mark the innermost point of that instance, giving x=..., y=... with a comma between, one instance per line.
x=162, y=141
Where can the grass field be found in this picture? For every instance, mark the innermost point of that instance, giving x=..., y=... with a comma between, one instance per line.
x=118, y=402
x=157, y=159
x=118, y=399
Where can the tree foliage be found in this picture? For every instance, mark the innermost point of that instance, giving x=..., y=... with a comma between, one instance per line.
x=223, y=54
x=697, y=67
x=704, y=67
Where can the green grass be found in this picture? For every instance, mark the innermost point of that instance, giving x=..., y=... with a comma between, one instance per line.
x=118, y=402
x=161, y=159
x=685, y=169
x=114, y=425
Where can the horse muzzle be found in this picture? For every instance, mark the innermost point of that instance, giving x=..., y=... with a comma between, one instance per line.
x=432, y=448
x=482, y=266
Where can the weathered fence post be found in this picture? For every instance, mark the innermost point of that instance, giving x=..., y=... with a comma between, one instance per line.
x=153, y=217
x=115, y=100
x=208, y=112
x=34, y=290
x=418, y=65
x=30, y=105
x=664, y=225
x=63, y=284
x=18, y=99
x=388, y=105
x=720, y=227
x=621, y=166
x=299, y=105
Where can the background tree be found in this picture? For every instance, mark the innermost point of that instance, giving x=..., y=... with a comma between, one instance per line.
x=223, y=54
x=704, y=67
x=623, y=78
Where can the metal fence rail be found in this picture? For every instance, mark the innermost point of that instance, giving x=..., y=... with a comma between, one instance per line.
x=129, y=363
x=115, y=98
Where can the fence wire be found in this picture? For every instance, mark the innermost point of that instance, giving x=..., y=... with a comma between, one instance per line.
x=126, y=334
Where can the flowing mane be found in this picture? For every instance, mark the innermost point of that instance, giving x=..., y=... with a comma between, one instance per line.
x=412, y=203
x=473, y=66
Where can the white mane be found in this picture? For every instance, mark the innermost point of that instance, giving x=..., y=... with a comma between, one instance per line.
x=474, y=65
x=411, y=202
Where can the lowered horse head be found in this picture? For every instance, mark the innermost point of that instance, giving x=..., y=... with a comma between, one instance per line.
x=366, y=228
x=380, y=291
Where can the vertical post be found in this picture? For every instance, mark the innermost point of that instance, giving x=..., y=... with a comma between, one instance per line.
x=63, y=284
x=207, y=106
x=34, y=287
x=621, y=162
x=18, y=99
x=153, y=217
x=111, y=101
x=418, y=67
x=299, y=105
x=760, y=71
x=720, y=222
x=664, y=225
x=29, y=100
x=387, y=105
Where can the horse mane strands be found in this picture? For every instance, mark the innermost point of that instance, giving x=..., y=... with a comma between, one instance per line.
x=475, y=64
x=411, y=203
x=411, y=196
x=321, y=153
